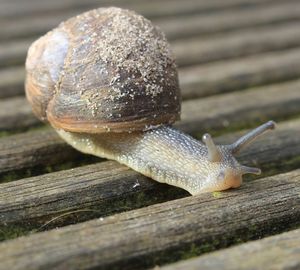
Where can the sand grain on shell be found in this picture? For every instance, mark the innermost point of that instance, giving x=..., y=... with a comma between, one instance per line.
x=130, y=42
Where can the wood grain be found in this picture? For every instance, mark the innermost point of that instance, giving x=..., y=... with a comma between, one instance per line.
x=197, y=50
x=15, y=114
x=33, y=26
x=13, y=52
x=232, y=75
x=228, y=20
x=153, y=235
x=32, y=149
x=109, y=187
x=204, y=115
x=153, y=9
x=174, y=27
x=12, y=81
x=255, y=104
x=275, y=252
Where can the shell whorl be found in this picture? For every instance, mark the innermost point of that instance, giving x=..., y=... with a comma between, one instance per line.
x=115, y=72
x=44, y=65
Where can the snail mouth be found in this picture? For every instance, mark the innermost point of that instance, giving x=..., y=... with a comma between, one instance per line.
x=232, y=179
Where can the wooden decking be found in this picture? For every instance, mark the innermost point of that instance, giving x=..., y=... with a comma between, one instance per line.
x=239, y=65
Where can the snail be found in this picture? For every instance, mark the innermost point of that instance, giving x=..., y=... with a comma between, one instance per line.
x=107, y=82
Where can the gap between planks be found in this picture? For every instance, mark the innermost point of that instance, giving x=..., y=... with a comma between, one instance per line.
x=275, y=252
x=159, y=233
x=202, y=115
x=109, y=187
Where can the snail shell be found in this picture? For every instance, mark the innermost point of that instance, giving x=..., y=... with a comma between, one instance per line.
x=106, y=69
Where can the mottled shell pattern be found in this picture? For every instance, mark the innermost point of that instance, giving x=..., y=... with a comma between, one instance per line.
x=106, y=69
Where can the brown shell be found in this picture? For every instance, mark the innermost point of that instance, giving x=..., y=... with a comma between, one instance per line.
x=106, y=69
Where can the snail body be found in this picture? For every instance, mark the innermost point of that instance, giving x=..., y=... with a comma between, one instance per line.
x=107, y=82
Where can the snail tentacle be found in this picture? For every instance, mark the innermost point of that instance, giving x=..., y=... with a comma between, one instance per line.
x=252, y=170
x=250, y=137
x=213, y=154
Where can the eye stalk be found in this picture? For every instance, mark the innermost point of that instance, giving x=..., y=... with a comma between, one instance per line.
x=247, y=139
x=214, y=155
x=252, y=170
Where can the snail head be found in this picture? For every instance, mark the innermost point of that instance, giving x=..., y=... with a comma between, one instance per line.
x=225, y=171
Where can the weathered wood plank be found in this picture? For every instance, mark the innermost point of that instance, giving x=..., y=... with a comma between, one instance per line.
x=13, y=52
x=228, y=20
x=213, y=113
x=179, y=27
x=151, y=9
x=216, y=112
x=156, y=234
x=15, y=114
x=231, y=75
x=32, y=149
x=205, y=80
x=15, y=9
x=236, y=44
x=198, y=50
x=109, y=187
x=275, y=252
x=12, y=81
x=35, y=25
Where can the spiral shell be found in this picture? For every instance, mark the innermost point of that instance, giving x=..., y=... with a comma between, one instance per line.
x=106, y=69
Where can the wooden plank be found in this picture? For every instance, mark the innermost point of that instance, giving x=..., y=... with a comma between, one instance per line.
x=228, y=20
x=275, y=101
x=256, y=104
x=205, y=80
x=153, y=10
x=12, y=82
x=13, y=52
x=15, y=9
x=226, y=76
x=15, y=114
x=198, y=50
x=178, y=27
x=33, y=26
x=109, y=187
x=32, y=149
x=275, y=252
x=159, y=233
